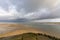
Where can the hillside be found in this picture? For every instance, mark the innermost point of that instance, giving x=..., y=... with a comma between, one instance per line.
x=30, y=36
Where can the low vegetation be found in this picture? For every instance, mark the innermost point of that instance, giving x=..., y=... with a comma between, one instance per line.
x=30, y=36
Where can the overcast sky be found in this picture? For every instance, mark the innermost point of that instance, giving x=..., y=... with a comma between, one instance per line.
x=29, y=9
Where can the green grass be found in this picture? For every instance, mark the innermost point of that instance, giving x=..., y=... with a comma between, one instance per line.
x=30, y=36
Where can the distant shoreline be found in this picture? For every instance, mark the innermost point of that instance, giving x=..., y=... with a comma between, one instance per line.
x=9, y=23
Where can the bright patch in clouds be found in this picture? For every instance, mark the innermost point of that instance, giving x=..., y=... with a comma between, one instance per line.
x=4, y=13
x=48, y=20
x=7, y=14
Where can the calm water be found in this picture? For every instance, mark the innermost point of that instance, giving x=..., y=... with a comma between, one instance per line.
x=51, y=29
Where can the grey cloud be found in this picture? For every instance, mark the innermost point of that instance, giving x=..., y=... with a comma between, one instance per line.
x=41, y=9
x=32, y=6
x=27, y=5
x=4, y=4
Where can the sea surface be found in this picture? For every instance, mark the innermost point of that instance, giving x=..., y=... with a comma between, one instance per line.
x=50, y=29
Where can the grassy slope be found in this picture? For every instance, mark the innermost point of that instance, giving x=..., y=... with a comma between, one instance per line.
x=30, y=36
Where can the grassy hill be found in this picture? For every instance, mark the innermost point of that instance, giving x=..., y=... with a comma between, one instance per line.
x=30, y=36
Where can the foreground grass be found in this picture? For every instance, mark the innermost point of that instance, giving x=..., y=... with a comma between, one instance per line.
x=30, y=36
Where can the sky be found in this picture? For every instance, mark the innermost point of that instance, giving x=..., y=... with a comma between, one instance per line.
x=29, y=9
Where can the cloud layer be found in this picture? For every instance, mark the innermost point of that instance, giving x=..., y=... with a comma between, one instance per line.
x=29, y=9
